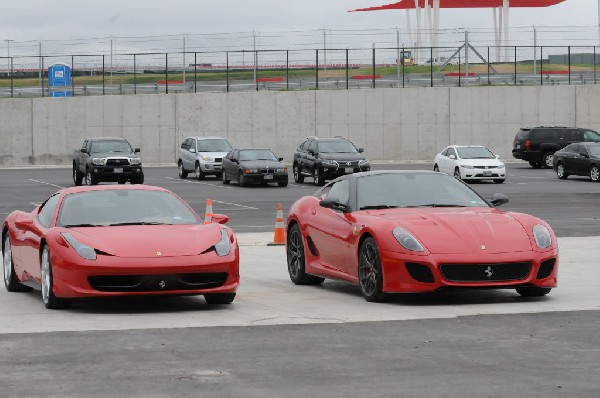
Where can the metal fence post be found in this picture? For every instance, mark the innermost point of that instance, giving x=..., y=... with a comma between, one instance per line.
x=227, y=71
x=287, y=69
x=403, y=65
x=488, y=66
x=347, y=71
x=431, y=65
x=195, y=71
x=317, y=69
x=166, y=73
x=515, y=65
x=103, y=76
x=12, y=83
x=256, y=69
x=594, y=64
x=134, y=75
x=42, y=75
x=374, y=67
x=541, y=65
x=73, y=75
x=459, y=72
x=569, y=52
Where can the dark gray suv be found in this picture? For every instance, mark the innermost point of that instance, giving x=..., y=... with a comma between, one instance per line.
x=538, y=144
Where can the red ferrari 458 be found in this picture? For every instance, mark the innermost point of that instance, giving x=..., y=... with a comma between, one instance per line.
x=416, y=231
x=117, y=241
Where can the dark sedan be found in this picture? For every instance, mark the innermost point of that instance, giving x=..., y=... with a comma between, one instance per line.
x=247, y=166
x=581, y=158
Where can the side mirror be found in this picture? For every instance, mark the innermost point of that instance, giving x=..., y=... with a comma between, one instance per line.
x=312, y=152
x=585, y=155
x=453, y=157
x=361, y=150
x=334, y=204
x=234, y=160
x=192, y=150
x=83, y=150
x=136, y=150
x=280, y=159
x=497, y=156
x=219, y=219
x=499, y=199
x=26, y=225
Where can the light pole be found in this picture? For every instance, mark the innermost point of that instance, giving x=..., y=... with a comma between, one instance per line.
x=8, y=52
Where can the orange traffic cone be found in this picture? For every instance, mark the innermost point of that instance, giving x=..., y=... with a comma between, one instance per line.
x=279, y=238
x=209, y=212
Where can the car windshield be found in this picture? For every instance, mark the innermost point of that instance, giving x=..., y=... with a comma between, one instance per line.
x=341, y=146
x=123, y=207
x=594, y=150
x=475, y=152
x=256, y=154
x=213, y=146
x=590, y=135
x=391, y=190
x=105, y=146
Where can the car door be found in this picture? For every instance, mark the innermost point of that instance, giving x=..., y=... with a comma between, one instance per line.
x=449, y=162
x=30, y=236
x=230, y=165
x=188, y=160
x=443, y=161
x=310, y=157
x=580, y=160
x=301, y=156
x=331, y=230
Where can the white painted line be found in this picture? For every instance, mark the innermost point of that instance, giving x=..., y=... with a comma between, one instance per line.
x=46, y=183
x=199, y=182
x=235, y=204
x=35, y=204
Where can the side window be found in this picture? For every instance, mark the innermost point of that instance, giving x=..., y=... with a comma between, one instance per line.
x=312, y=145
x=234, y=154
x=340, y=191
x=303, y=146
x=582, y=149
x=549, y=135
x=184, y=144
x=445, y=153
x=47, y=212
x=451, y=151
x=84, y=144
x=591, y=136
x=193, y=143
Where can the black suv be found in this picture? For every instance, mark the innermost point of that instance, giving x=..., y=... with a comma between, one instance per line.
x=327, y=158
x=537, y=145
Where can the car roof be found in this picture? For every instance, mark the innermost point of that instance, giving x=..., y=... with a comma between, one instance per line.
x=206, y=137
x=467, y=146
x=87, y=188
x=253, y=149
x=107, y=139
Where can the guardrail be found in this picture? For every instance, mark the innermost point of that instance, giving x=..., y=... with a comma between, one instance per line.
x=190, y=72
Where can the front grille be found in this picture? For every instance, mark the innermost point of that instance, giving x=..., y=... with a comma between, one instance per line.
x=495, y=272
x=218, y=160
x=546, y=268
x=485, y=167
x=353, y=163
x=488, y=175
x=267, y=171
x=117, y=162
x=420, y=272
x=154, y=283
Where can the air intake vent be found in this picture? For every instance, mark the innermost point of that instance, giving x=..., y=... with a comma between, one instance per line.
x=546, y=268
x=420, y=272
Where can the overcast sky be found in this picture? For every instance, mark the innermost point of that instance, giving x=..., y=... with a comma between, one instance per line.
x=70, y=19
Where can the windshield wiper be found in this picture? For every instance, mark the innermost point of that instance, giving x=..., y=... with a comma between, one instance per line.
x=118, y=224
x=436, y=205
x=82, y=225
x=377, y=207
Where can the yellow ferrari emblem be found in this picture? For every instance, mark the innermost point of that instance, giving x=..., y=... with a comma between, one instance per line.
x=483, y=247
x=159, y=254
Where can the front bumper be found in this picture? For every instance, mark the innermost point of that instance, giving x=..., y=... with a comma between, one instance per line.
x=109, y=173
x=483, y=174
x=332, y=171
x=277, y=177
x=211, y=167
x=423, y=273
x=73, y=278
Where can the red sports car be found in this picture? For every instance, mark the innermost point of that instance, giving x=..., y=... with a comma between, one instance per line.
x=416, y=231
x=117, y=241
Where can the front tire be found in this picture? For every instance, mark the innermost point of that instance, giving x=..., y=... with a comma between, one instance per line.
x=77, y=177
x=199, y=174
x=50, y=300
x=370, y=274
x=11, y=282
x=547, y=159
x=182, y=172
x=90, y=178
x=224, y=177
x=436, y=168
x=318, y=177
x=296, y=260
x=533, y=291
x=595, y=174
x=219, y=298
x=241, y=181
x=298, y=178
x=560, y=171
x=457, y=174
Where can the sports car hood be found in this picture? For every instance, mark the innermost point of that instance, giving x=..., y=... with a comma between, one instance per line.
x=462, y=231
x=149, y=240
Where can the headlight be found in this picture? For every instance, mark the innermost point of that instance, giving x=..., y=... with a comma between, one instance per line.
x=542, y=236
x=222, y=247
x=207, y=158
x=284, y=170
x=363, y=162
x=407, y=241
x=501, y=166
x=251, y=171
x=98, y=161
x=135, y=161
x=330, y=162
x=466, y=166
x=84, y=251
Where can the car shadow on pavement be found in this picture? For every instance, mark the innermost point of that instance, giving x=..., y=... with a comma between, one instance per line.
x=143, y=305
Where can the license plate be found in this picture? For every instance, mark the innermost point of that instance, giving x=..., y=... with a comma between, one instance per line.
x=119, y=170
x=487, y=173
x=269, y=177
x=217, y=167
x=349, y=169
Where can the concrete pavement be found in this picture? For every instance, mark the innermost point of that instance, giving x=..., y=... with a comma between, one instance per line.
x=267, y=297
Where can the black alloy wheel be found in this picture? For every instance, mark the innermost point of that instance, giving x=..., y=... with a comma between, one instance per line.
x=182, y=172
x=533, y=291
x=299, y=179
x=560, y=171
x=595, y=173
x=436, y=168
x=318, y=177
x=296, y=260
x=219, y=298
x=370, y=274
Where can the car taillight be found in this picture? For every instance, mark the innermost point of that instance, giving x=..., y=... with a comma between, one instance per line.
x=527, y=145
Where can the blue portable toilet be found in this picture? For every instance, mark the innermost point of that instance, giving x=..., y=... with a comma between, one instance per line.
x=59, y=80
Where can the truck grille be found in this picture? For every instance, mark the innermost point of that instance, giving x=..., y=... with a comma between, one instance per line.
x=117, y=162
x=495, y=272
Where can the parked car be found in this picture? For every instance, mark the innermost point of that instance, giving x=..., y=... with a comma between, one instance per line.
x=327, y=158
x=118, y=241
x=107, y=159
x=202, y=155
x=416, y=231
x=578, y=159
x=247, y=166
x=537, y=145
x=473, y=162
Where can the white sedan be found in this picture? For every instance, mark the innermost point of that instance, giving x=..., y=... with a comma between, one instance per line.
x=474, y=162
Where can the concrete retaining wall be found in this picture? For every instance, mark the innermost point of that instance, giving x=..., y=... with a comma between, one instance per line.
x=391, y=124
